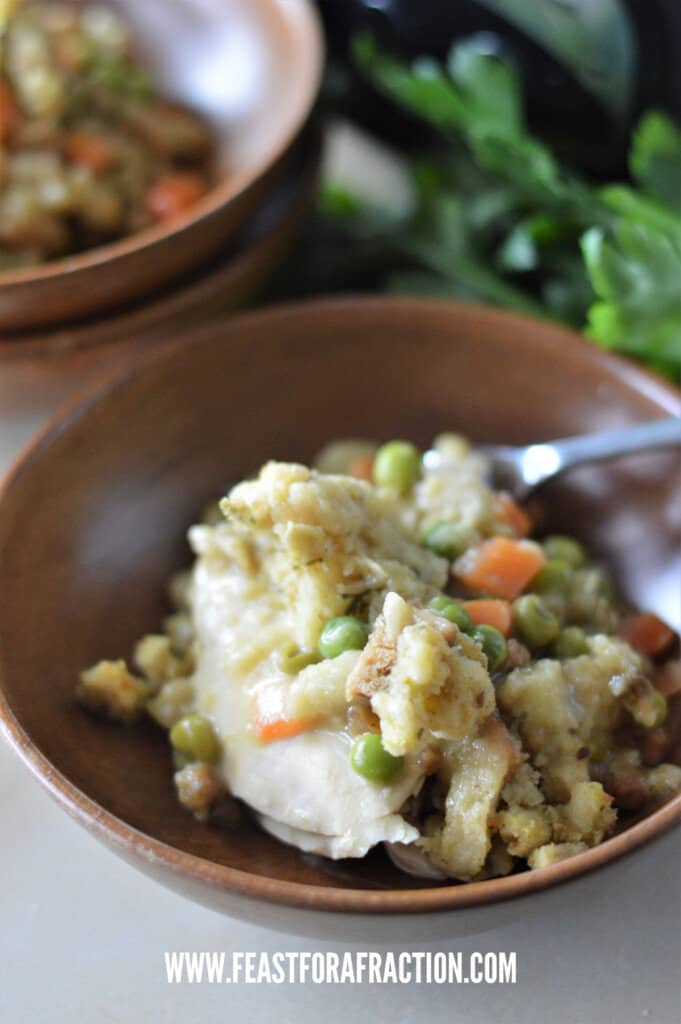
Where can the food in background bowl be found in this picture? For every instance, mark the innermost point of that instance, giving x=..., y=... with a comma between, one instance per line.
x=373, y=651
x=89, y=150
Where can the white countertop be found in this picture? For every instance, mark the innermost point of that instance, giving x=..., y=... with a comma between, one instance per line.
x=83, y=934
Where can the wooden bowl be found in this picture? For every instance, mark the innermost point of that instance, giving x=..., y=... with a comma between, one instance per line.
x=252, y=68
x=93, y=520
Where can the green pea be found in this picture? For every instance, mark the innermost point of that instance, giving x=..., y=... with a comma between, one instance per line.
x=493, y=645
x=590, y=585
x=195, y=737
x=451, y=610
x=564, y=549
x=371, y=760
x=592, y=600
x=292, y=660
x=535, y=621
x=398, y=466
x=446, y=538
x=553, y=578
x=571, y=643
x=344, y=633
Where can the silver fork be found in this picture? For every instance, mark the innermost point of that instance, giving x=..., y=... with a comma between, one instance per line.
x=520, y=470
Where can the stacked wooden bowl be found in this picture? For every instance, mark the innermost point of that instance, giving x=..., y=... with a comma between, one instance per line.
x=252, y=68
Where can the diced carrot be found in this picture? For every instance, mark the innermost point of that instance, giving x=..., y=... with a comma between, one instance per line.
x=10, y=113
x=170, y=196
x=273, y=729
x=89, y=150
x=488, y=611
x=500, y=566
x=362, y=467
x=647, y=634
x=668, y=680
x=511, y=513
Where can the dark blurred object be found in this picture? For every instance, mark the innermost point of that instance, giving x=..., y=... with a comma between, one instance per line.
x=589, y=67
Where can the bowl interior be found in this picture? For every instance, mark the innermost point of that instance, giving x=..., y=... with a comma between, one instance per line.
x=93, y=521
x=246, y=65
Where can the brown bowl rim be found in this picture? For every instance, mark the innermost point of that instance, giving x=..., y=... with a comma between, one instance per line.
x=119, y=835
x=228, y=192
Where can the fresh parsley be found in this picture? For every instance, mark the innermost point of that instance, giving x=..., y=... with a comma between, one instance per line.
x=498, y=219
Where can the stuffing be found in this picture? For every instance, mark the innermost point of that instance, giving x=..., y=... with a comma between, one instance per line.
x=108, y=688
x=480, y=768
x=173, y=701
x=538, y=699
x=155, y=658
x=420, y=686
x=198, y=788
x=552, y=853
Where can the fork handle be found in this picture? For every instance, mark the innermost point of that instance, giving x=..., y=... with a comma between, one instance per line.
x=577, y=451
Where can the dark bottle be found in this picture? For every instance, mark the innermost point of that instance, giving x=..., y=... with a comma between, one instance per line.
x=589, y=67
